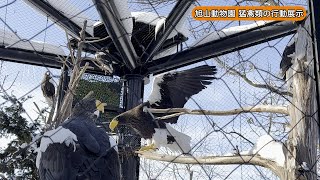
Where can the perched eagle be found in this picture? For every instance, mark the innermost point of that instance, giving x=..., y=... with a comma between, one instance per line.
x=287, y=58
x=170, y=90
x=78, y=149
x=48, y=88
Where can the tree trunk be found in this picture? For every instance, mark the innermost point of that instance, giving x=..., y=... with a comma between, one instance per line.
x=303, y=139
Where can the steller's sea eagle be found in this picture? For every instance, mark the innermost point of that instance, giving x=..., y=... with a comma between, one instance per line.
x=78, y=149
x=287, y=58
x=170, y=90
x=48, y=89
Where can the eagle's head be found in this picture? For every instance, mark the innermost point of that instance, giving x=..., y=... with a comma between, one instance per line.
x=88, y=106
x=129, y=117
x=120, y=119
x=47, y=76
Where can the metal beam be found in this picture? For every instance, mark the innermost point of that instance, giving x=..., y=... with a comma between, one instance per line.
x=222, y=46
x=38, y=59
x=29, y=57
x=172, y=20
x=110, y=17
x=57, y=17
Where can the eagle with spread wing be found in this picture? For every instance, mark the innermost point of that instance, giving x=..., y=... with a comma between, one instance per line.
x=170, y=90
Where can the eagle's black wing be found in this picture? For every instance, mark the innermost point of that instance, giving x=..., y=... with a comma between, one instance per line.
x=286, y=61
x=93, y=159
x=48, y=89
x=56, y=162
x=175, y=88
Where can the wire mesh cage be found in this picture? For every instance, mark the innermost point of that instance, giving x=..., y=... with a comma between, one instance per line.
x=255, y=120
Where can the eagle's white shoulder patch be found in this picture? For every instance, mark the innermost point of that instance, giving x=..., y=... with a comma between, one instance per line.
x=59, y=135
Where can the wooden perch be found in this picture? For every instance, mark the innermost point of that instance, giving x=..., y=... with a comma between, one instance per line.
x=249, y=109
x=214, y=160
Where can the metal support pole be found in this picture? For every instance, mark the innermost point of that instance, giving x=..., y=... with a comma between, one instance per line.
x=130, y=162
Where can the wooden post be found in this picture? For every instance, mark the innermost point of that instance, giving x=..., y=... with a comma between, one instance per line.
x=303, y=139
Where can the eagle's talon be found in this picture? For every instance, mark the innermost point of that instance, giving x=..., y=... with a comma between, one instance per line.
x=150, y=147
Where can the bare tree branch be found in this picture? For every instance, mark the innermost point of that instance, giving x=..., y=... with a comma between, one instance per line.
x=97, y=40
x=70, y=49
x=68, y=99
x=106, y=68
x=249, y=109
x=246, y=79
x=215, y=160
x=76, y=75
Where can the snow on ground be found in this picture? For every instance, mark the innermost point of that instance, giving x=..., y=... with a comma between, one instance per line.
x=59, y=135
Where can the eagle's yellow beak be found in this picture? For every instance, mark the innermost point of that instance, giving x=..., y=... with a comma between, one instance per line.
x=100, y=106
x=113, y=124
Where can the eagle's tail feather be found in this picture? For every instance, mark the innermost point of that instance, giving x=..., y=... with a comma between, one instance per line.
x=181, y=142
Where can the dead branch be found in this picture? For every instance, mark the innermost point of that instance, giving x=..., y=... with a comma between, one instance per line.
x=77, y=72
x=97, y=40
x=40, y=112
x=233, y=71
x=70, y=49
x=66, y=105
x=51, y=113
x=214, y=160
x=58, y=93
x=249, y=109
x=107, y=69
